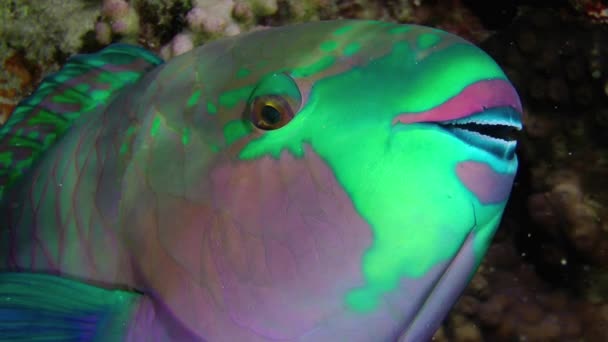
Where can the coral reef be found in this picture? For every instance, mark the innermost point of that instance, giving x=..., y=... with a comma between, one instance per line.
x=119, y=18
x=45, y=29
x=208, y=19
x=508, y=301
x=37, y=36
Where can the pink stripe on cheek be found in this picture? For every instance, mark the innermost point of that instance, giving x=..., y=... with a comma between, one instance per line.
x=489, y=186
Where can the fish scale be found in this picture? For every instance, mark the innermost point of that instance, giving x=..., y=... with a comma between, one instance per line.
x=57, y=103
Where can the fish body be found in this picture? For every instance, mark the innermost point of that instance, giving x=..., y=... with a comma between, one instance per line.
x=336, y=180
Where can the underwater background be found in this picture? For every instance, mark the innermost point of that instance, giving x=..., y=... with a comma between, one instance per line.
x=545, y=277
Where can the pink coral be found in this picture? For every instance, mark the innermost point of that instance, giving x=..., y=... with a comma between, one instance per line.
x=119, y=18
x=180, y=44
x=201, y=21
x=114, y=8
x=103, y=32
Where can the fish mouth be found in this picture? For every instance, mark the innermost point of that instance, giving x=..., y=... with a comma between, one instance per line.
x=493, y=130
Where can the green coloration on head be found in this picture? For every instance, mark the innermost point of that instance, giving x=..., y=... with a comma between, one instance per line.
x=193, y=100
x=211, y=108
x=230, y=99
x=235, y=130
x=155, y=126
x=341, y=168
x=427, y=40
x=131, y=130
x=400, y=29
x=343, y=30
x=278, y=84
x=124, y=147
x=393, y=157
x=352, y=49
x=243, y=72
x=329, y=46
x=314, y=68
x=185, y=136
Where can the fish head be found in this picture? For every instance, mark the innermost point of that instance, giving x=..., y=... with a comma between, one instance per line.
x=337, y=179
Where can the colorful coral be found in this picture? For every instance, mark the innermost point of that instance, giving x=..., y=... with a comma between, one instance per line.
x=118, y=18
x=45, y=29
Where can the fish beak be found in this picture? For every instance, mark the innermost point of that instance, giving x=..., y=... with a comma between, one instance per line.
x=447, y=288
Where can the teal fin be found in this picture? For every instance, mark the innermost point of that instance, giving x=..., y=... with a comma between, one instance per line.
x=85, y=83
x=41, y=307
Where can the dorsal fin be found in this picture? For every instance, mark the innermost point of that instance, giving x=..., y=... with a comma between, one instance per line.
x=85, y=83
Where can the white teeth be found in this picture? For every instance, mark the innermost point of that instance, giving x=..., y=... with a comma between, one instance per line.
x=471, y=130
x=504, y=149
x=504, y=116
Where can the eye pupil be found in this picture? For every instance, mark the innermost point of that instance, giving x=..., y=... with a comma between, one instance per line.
x=270, y=115
x=270, y=112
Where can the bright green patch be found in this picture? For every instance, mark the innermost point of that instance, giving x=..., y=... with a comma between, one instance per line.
x=352, y=48
x=344, y=118
x=230, y=98
x=243, y=72
x=278, y=84
x=400, y=29
x=344, y=29
x=235, y=130
x=156, y=122
x=193, y=100
x=131, y=130
x=44, y=117
x=124, y=147
x=328, y=46
x=82, y=87
x=211, y=108
x=314, y=68
x=33, y=135
x=185, y=136
x=428, y=40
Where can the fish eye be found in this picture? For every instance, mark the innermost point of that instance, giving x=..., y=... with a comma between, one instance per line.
x=269, y=112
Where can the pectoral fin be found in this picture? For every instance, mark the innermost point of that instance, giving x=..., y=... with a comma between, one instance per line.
x=42, y=307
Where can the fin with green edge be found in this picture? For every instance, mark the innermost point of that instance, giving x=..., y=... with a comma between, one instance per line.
x=43, y=307
x=85, y=83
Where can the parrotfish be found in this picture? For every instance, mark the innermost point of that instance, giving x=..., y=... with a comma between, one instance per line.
x=327, y=181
